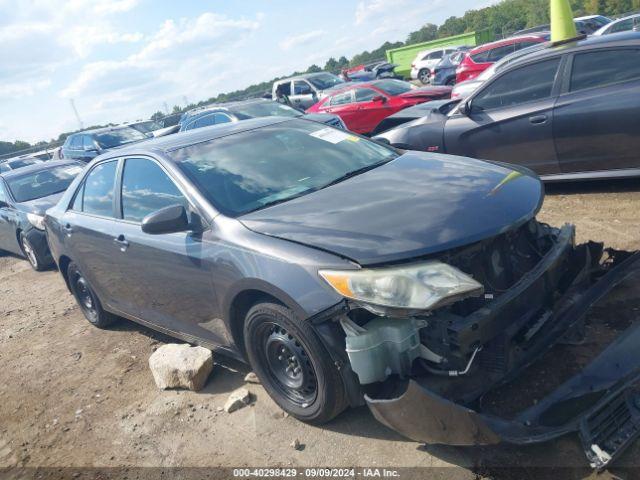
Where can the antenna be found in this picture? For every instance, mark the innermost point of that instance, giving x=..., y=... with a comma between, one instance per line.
x=75, y=110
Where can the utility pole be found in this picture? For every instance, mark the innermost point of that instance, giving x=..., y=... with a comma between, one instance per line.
x=75, y=110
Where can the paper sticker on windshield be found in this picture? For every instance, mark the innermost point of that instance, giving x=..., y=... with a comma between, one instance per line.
x=73, y=170
x=331, y=135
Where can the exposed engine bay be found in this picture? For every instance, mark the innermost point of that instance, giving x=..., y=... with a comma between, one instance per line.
x=425, y=374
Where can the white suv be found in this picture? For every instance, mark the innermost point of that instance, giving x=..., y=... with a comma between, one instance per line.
x=426, y=60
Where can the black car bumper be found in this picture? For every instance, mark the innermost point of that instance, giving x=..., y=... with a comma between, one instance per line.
x=601, y=403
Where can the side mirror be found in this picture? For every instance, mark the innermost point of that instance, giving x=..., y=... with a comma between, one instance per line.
x=170, y=219
x=379, y=98
x=466, y=108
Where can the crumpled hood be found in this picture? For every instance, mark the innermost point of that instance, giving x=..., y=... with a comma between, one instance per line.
x=40, y=205
x=430, y=92
x=415, y=205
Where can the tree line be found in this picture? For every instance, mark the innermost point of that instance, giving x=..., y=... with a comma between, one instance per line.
x=501, y=19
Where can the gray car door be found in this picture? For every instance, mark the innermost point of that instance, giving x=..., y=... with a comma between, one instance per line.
x=302, y=94
x=164, y=279
x=510, y=119
x=89, y=225
x=596, y=119
x=7, y=227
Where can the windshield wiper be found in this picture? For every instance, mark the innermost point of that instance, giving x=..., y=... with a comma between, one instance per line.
x=356, y=172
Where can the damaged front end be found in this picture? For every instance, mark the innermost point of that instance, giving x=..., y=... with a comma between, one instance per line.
x=446, y=376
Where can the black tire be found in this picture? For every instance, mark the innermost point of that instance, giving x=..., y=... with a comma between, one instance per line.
x=424, y=75
x=315, y=394
x=31, y=253
x=87, y=299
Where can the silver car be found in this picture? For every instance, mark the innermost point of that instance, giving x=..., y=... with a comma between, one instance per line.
x=306, y=90
x=625, y=24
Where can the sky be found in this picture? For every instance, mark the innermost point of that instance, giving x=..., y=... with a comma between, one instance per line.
x=122, y=60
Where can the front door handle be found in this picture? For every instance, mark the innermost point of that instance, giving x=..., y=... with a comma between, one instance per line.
x=68, y=229
x=538, y=119
x=122, y=243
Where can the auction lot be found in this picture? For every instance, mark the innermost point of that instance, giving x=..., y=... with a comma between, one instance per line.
x=76, y=396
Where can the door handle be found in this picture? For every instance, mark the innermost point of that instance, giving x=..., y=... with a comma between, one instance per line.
x=121, y=242
x=68, y=229
x=538, y=119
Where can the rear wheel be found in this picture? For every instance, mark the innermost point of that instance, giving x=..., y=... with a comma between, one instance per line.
x=292, y=364
x=31, y=253
x=87, y=299
x=424, y=75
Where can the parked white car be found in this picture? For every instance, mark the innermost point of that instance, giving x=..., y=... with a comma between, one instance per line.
x=625, y=24
x=426, y=60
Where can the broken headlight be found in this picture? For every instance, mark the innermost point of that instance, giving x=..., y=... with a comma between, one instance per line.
x=423, y=286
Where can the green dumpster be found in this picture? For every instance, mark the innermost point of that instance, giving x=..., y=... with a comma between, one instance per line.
x=403, y=56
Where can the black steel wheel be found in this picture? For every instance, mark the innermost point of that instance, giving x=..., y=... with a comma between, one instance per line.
x=87, y=299
x=292, y=364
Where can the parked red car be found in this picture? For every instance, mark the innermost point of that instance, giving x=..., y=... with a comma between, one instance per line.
x=482, y=57
x=363, y=105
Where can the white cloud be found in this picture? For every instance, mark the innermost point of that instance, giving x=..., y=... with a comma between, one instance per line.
x=369, y=9
x=302, y=39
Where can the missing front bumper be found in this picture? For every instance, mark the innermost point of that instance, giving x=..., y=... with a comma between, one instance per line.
x=602, y=402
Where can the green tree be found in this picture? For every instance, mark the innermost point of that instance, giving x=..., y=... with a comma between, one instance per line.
x=157, y=116
x=426, y=33
x=314, y=69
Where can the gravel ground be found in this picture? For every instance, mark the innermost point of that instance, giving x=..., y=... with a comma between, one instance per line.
x=72, y=395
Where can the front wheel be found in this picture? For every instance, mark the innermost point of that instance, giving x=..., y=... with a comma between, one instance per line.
x=32, y=254
x=292, y=364
x=87, y=299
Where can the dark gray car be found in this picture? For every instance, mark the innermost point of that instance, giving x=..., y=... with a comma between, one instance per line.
x=217, y=114
x=25, y=195
x=566, y=112
x=346, y=272
x=87, y=145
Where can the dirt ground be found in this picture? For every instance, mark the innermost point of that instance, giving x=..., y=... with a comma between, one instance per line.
x=73, y=395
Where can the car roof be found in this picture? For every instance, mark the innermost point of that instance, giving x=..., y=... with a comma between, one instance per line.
x=95, y=131
x=224, y=106
x=18, y=172
x=508, y=41
x=192, y=137
x=582, y=43
x=303, y=75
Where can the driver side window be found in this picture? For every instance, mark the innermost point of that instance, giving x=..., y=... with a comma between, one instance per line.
x=146, y=188
x=522, y=85
x=301, y=88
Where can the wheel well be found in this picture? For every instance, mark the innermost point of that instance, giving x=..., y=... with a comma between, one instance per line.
x=18, y=233
x=63, y=264
x=241, y=304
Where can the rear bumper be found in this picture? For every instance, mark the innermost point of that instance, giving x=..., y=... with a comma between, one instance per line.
x=602, y=402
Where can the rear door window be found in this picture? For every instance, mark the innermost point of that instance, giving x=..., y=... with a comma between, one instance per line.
x=97, y=198
x=481, y=57
x=76, y=142
x=366, y=94
x=604, y=67
x=146, y=188
x=341, y=99
x=499, y=53
x=87, y=142
x=525, y=84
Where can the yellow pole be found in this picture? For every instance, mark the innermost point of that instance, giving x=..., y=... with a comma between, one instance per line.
x=562, y=26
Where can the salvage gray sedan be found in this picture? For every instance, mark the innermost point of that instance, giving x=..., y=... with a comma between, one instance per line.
x=347, y=272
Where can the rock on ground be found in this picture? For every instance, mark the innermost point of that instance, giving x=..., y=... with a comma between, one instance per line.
x=181, y=366
x=251, y=378
x=238, y=399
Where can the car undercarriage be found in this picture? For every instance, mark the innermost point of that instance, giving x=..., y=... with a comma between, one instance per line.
x=469, y=373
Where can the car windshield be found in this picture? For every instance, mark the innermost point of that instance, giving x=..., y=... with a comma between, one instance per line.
x=393, y=87
x=121, y=136
x=43, y=182
x=147, y=127
x=325, y=81
x=255, y=169
x=23, y=163
x=265, y=109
